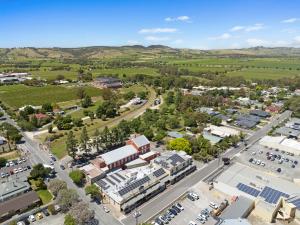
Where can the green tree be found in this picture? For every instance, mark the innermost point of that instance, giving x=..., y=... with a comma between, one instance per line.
x=3, y=162
x=47, y=107
x=56, y=185
x=87, y=101
x=92, y=190
x=81, y=93
x=77, y=176
x=71, y=145
x=39, y=171
x=97, y=141
x=66, y=198
x=84, y=138
x=180, y=144
x=69, y=220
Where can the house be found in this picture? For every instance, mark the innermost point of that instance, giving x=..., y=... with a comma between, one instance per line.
x=260, y=113
x=41, y=116
x=294, y=123
x=221, y=131
x=92, y=173
x=288, y=132
x=209, y=111
x=107, y=82
x=247, y=121
x=18, y=205
x=273, y=108
x=174, y=134
x=141, y=143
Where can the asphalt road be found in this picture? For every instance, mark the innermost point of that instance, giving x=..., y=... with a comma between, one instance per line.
x=37, y=155
x=154, y=206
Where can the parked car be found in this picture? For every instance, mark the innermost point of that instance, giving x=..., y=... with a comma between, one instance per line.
x=190, y=197
x=192, y=223
x=213, y=205
x=45, y=211
x=178, y=205
x=39, y=216
x=31, y=218
x=62, y=167
x=106, y=209
x=164, y=220
x=194, y=195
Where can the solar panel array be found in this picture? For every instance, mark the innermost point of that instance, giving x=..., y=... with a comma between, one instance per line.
x=271, y=195
x=296, y=202
x=159, y=172
x=175, y=159
x=110, y=181
x=134, y=185
x=102, y=184
x=114, y=178
x=120, y=176
x=247, y=189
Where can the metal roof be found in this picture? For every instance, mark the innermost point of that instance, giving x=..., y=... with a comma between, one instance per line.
x=286, y=131
x=118, y=154
x=260, y=113
x=140, y=141
x=238, y=209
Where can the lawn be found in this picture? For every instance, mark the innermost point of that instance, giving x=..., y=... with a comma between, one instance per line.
x=51, y=75
x=45, y=196
x=17, y=96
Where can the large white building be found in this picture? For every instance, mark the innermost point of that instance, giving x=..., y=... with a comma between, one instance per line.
x=281, y=143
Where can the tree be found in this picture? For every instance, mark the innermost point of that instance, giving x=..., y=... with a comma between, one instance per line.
x=97, y=140
x=3, y=162
x=81, y=93
x=108, y=94
x=92, y=190
x=129, y=95
x=39, y=171
x=47, y=107
x=84, y=138
x=66, y=198
x=60, y=77
x=77, y=176
x=69, y=220
x=71, y=144
x=56, y=185
x=180, y=144
x=142, y=95
x=50, y=129
x=86, y=102
x=81, y=213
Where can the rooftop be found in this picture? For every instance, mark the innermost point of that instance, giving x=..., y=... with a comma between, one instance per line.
x=171, y=159
x=238, y=208
x=12, y=188
x=140, y=141
x=118, y=154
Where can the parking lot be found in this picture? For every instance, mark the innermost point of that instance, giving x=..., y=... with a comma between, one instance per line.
x=192, y=209
x=15, y=168
x=272, y=160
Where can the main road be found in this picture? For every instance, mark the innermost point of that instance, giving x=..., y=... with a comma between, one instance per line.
x=38, y=155
x=154, y=206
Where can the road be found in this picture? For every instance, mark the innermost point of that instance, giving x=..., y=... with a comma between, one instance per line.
x=41, y=156
x=154, y=206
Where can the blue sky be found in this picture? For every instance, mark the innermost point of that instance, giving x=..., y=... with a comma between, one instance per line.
x=201, y=24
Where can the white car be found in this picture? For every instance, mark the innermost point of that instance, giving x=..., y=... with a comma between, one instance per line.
x=106, y=209
x=213, y=205
x=253, y=153
x=192, y=223
x=20, y=170
x=16, y=170
x=193, y=194
x=11, y=164
x=31, y=218
x=2, y=175
x=258, y=162
x=262, y=164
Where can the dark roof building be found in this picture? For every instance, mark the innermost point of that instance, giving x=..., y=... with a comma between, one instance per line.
x=289, y=132
x=18, y=204
x=260, y=113
x=241, y=208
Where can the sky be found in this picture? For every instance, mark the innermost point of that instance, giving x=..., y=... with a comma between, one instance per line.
x=199, y=24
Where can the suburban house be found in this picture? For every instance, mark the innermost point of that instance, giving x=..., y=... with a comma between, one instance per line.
x=260, y=113
x=107, y=82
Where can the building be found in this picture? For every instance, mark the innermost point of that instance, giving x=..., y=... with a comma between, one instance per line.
x=176, y=164
x=288, y=132
x=149, y=156
x=281, y=143
x=294, y=123
x=107, y=82
x=141, y=143
x=247, y=121
x=12, y=189
x=273, y=108
x=117, y=158
x=127, y=189
x=259, y=113
x=241, y=208
x=18, y=205
x=221, y=131
x=92, y=173
x=174, y=134
x=209, y=111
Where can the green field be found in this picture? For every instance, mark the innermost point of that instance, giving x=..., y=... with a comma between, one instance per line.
x=45, y=196
x=127, y=71
x=17, y=96
x=264, y=73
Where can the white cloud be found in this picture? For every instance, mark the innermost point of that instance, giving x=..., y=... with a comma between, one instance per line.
x=253, y=42
x=156, y=38
x=224, y=36
x=289, y=31
x=290, y=20
x=296, y=41
x=179, y=18
x=255, y=27
x=157, y=30
x=237, y=28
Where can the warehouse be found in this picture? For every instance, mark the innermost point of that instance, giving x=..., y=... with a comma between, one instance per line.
x=241, y=208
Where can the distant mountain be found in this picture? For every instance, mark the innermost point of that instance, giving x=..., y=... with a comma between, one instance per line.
x=139, y=52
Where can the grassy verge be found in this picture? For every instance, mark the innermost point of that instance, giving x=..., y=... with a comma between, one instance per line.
x=45, y=196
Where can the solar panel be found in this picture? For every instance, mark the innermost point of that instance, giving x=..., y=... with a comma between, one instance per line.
x=175, y=159
x=133, y=185
x=296, y=202
x=247, y=189
x=272, y=195
x=159, y=172
x=110, y=181
x=120, y=176
x=114, y=177
x=102, y=184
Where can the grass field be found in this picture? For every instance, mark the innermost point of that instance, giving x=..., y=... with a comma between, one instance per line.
x=127, y=71
x=17, y=96
x=51, y=75
x=264, y=73
x=58, y=146
x=45, y=196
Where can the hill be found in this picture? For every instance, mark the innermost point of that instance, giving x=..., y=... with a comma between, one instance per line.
x=138, y=52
